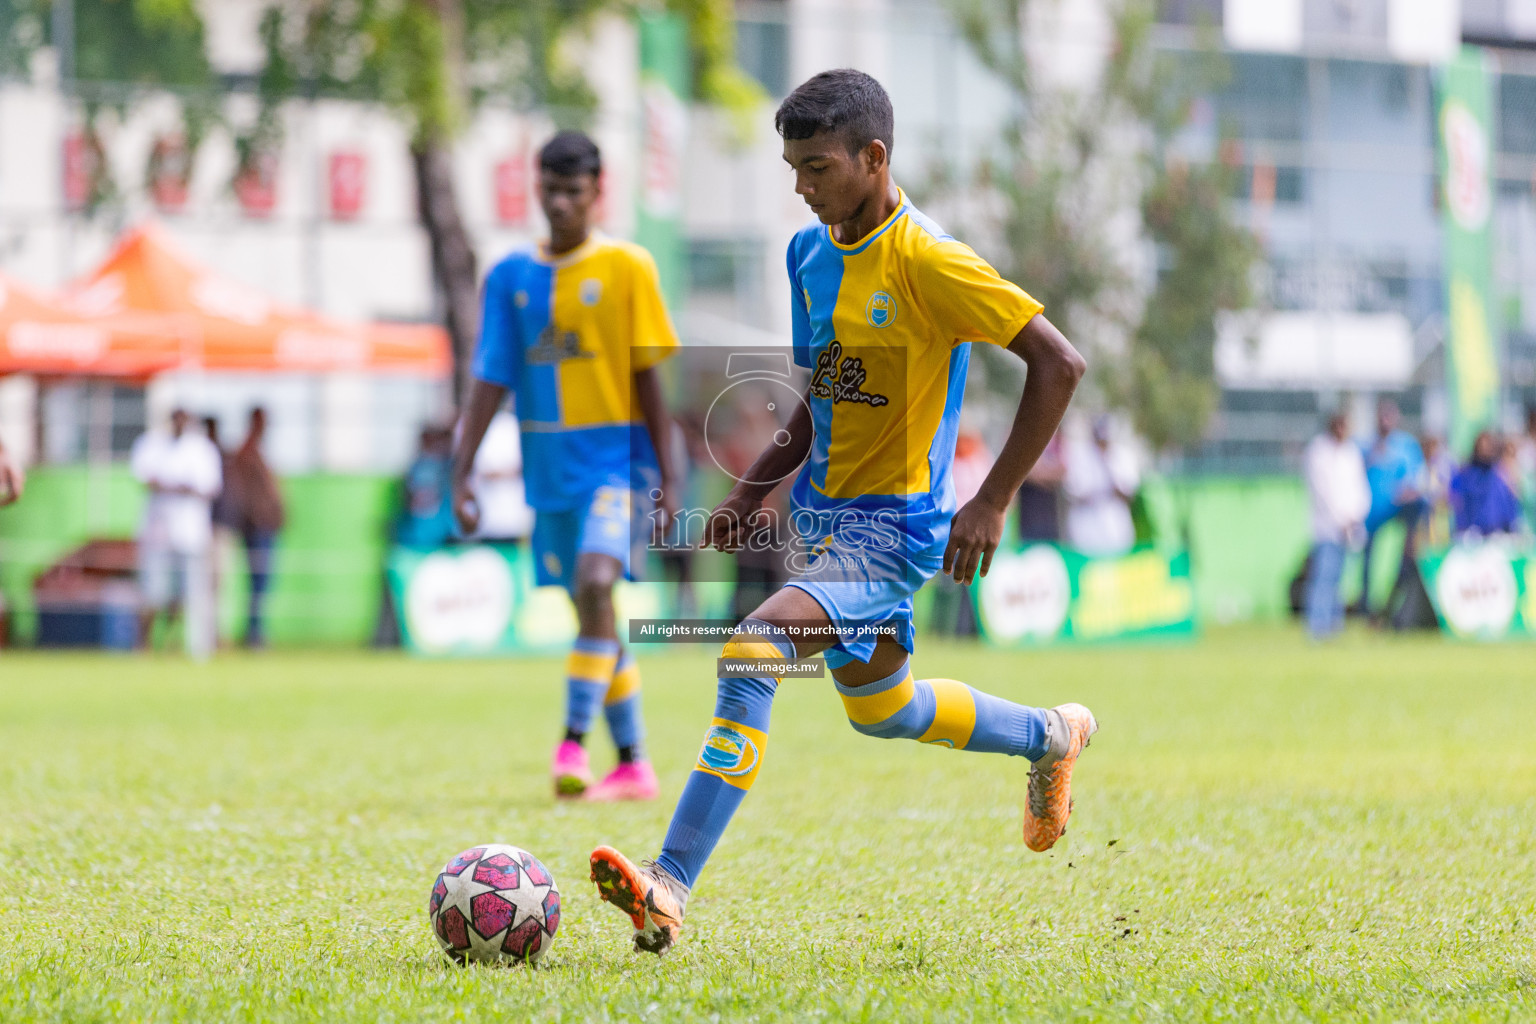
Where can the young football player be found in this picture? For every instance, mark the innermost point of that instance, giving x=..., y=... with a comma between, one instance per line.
x=884, y=307
x=575, y=327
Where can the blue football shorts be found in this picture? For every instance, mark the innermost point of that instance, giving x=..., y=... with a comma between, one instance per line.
x=613, y=521
x=864, y=575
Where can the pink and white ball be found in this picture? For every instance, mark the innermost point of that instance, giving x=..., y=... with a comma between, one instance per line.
x=495, y=904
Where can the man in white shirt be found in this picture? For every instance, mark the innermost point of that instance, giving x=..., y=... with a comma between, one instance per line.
x=184, y=473
x=1100, y=480
x=1335, y=474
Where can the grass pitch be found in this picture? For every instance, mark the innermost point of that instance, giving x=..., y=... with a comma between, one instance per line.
x=1264, y=830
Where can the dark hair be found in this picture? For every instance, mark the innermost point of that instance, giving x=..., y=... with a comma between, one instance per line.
x=844, y=102
x=571, y=153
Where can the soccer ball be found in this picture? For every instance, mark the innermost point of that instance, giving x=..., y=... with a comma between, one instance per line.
x=495, y=904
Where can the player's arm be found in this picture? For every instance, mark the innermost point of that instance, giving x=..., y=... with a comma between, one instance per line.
x=1055, y=368
x=654, y=409
x=729, y=523
x=484, y=400
x=495, y=371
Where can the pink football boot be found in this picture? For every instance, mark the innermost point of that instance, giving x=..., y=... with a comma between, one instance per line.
x=633, y=781
x=572, y=774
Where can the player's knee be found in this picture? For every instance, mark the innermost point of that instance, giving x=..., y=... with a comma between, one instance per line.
x=894, y=708
x=593, y=593
x=904, y=725
x=757, y=640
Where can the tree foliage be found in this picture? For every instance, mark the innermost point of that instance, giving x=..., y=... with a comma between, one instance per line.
x=1128, y=241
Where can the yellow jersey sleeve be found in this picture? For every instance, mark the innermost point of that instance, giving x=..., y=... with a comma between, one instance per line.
x=966, y=299
x=652, y=338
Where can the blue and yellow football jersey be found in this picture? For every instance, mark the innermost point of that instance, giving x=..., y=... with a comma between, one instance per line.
x=566, y=334
x=885, y=326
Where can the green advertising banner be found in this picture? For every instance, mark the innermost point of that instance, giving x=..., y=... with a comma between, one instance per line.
x=480, y=599
x=1046, y=594
x=664, y=71
x=1483, y=591
x=1466, y=160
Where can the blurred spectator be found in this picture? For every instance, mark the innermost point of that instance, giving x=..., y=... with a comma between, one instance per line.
x=1434, y=487
x=1099, y=481
x=223, y=510
x=1336, y=484
x=1525, y=461
x=426, y=508
x=225, y=528
x=1481, y=498
x=12, y=480
x=1393, y=462
x=951, y=609
x=183, y=473
x=259, y=516
x=1040, y=496
x=498, y=483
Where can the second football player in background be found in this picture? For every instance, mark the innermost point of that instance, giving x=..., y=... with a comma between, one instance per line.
x=575, y=327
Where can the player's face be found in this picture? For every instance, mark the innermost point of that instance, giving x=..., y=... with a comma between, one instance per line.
x=834, y=183
x=567, y=200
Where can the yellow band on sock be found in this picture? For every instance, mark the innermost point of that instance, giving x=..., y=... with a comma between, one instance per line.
x=877, y=707
x=751, y=646
x=626, y=683
x=732, y=752
x=954, y=714
x=746, y=645
x=586, y=665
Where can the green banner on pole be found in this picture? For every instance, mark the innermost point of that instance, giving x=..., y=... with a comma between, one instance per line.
x=1466, y=158
x=664, y=71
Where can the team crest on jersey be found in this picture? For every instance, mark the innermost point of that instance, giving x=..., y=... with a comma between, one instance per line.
x=727, y=751
x=591, y=290
x=880, y=311
x=842, y=380
x=520, y=300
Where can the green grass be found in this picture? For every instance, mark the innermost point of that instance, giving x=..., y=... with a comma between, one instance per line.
x=1264, y=830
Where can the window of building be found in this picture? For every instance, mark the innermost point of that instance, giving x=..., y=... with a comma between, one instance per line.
x=1266, y=98
x=1517, y=114
x=762, y=43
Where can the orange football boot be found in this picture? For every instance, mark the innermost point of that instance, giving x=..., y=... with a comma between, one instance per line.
x=652, y=898
x=1068, y=729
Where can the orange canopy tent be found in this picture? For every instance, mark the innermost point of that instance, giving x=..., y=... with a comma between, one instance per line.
x=39, y=334
x=219, y=324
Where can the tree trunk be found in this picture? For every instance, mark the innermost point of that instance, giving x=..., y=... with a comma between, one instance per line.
x=438, y=119
x=453, y=257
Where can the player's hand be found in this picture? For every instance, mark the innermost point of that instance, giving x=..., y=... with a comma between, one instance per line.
x=974, y=534
x=12, y=480
x=466, y=510
x=731, y=522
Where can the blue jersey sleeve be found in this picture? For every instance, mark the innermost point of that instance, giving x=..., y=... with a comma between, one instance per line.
x=499, y=351
x=799, y=312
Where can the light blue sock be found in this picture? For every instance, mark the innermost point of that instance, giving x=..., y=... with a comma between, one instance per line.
x=621, y=704
x=730, y=758
x=588, y=672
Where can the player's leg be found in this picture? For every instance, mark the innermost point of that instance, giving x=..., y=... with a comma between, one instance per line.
x=654, y=894
x=593, y=659
x=589, y=667
x=882, y=699
x=632, y=778
x=606, y=546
